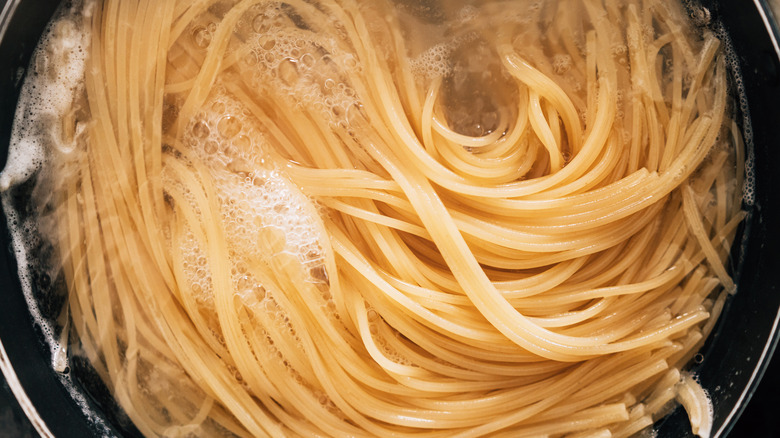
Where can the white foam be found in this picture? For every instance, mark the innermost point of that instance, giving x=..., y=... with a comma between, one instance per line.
x=263, y=213
x=47, y=95
x=733, y=65
x=54, y=78
x=307, y=69
x=434, y=62
x=30, y=146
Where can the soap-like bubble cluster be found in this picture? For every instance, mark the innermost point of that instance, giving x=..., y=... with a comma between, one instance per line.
x=434, y=62
x=733, y=64
x=468, y=13
x=225, y=135
x=50, y=99
x=307, y=70
x=39, y=141
x=47, y=131
x=265, y=218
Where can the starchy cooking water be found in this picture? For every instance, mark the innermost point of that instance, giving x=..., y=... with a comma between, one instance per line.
x=207, y=185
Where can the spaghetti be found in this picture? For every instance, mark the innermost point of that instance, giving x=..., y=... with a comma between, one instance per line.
x=349, y=219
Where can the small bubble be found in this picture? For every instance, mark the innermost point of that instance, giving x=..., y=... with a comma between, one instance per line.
x=267, y=43
x=307, y=60
x=201, y=130
x=202, y=37
x=288, y=71
x=259, y=292
x=356, y=117
x=244, y=283
x=229, y=126
x=250, y=59
x=243, y=142
x=259, y=181
x=318, y=273
x=218, y=107
x=211, y=147
x=260, y=23
x=240, y=166
x=231, y=150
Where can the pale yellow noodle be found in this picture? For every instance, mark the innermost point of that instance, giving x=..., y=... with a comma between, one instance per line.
x=550, y=277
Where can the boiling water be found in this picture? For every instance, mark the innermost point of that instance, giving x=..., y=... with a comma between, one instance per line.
x=255, y=197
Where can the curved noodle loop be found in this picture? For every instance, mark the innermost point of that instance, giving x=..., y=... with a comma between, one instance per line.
x=306, y=218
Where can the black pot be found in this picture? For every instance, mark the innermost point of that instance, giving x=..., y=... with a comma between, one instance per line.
x=734, y=359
